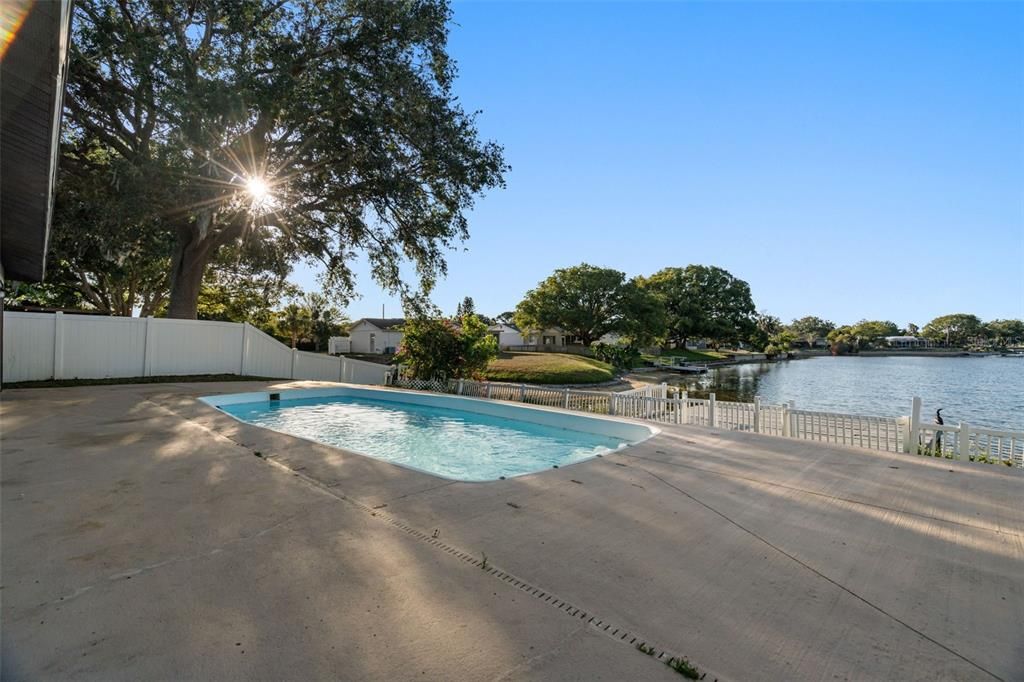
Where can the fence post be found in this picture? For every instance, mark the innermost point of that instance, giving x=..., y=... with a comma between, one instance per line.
x=566, y=398
x=785, y=420
x=757, y=414
x=488, y=394
x=295, y=354
x=686, y=406
x=793, y=432
x=611, y=403
x=711, y=410
x=245, y=339
x=522, y=393
x=147, y=352
x=462, y=383
x=915, y=425
x=664, y=389
x=58, y=345
x=341, y=371
x=963, y=442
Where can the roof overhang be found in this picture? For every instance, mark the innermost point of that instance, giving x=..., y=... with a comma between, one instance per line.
x=34, y=41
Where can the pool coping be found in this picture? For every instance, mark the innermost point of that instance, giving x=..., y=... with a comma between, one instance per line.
x=209, y=401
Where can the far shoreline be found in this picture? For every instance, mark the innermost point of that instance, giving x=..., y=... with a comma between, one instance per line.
x=908, y=353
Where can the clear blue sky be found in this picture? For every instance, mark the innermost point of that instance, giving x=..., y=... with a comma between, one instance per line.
x=847, y=160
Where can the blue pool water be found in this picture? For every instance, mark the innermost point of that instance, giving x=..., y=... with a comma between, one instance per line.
x=446, y=442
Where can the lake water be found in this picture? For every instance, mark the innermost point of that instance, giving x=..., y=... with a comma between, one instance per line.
x=986, y=391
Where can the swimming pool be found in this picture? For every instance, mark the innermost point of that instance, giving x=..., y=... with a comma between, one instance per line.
x=464, y=439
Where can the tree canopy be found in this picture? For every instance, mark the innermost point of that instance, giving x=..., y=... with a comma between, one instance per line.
x=811, y=328
x=331, y=121
x=956, y=329
x=589, y=302
x=869, y=331
x=1005, y=332
x=702, y=301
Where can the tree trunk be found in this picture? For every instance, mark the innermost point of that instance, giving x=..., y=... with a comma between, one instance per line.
x=187, y=269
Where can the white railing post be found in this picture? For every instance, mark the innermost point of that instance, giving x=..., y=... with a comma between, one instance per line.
x=341, y=370
x=147, y=352
x=711, y=410
x=685, y=397
x=785, y=420
x=915, y=425
x=793, y=431
x=462, y=383
x=963, y=442
x=58, y=345
x=488, y=392
x=295, y=354
x=757, y=414
x=611, y=403
x=664, y=390
x=245, y=339
x=565, y=398
x=904, y=424
x=522, y=393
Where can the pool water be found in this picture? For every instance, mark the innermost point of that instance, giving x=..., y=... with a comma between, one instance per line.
x=450, y=443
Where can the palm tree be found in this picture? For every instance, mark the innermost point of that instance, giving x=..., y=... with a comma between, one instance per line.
x=295, y=321
x=325, y=320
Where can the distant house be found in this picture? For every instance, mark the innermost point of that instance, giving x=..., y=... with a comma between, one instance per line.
x=550, y=337
x=376, y=334
x=905, y=342
x=555, y=337
x=506, y=335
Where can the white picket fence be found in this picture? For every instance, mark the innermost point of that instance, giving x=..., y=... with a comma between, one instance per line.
x=43, y=346
x=653, y=403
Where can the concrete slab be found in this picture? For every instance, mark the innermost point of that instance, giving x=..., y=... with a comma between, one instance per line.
x=142, y=539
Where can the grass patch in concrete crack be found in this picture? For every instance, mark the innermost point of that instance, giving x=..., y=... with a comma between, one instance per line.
x=684, y=668
x=644, y=647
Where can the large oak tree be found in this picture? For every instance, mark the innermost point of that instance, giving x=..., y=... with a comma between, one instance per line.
x=811, y=328
x=331, y=121
x=703, y=302
x=589, y=302
x=957, y=329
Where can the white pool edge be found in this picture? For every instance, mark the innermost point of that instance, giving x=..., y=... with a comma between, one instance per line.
x=632, y=432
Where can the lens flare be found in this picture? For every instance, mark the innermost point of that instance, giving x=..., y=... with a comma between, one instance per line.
x=258, y=189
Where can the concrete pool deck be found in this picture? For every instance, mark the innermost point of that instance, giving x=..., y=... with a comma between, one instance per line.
x=142, y=539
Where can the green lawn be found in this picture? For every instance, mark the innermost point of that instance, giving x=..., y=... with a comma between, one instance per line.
x=548, y=368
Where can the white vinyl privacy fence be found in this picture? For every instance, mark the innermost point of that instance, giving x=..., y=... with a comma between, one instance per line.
x=653, y=403
x=42, y=346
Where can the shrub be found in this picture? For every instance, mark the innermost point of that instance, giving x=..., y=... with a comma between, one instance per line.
x=621, y=357
x=438, y=348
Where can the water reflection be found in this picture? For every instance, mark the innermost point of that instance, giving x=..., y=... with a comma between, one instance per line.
x=739, y=383
x=986, y=391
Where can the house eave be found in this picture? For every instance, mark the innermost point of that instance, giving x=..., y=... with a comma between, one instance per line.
x=33, y=68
